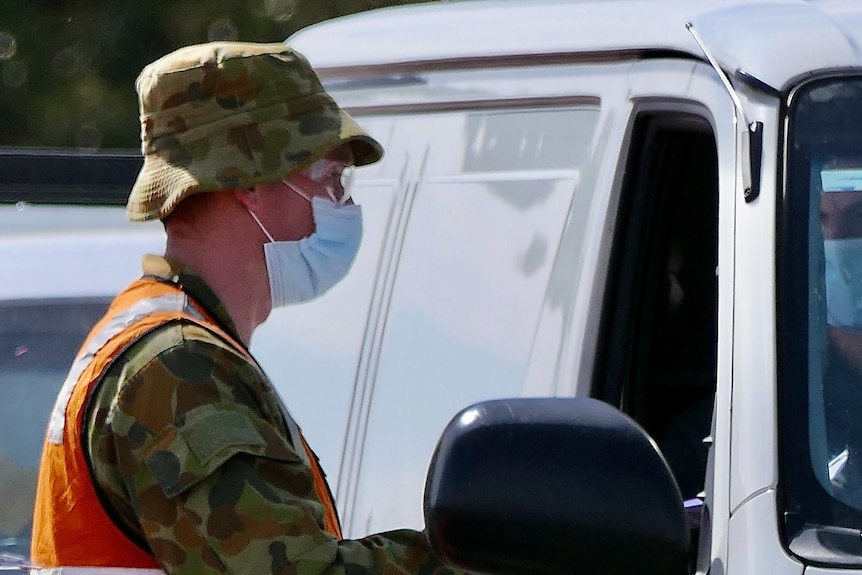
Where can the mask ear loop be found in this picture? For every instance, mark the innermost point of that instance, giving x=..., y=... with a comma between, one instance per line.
x=328, y=189
x=331, y=195
x=296, y=189
x=271, y=239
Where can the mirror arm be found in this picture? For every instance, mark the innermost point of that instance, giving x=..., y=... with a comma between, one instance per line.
x=750, y=133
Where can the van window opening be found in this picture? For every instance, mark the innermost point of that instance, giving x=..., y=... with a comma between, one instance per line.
x=657, y=359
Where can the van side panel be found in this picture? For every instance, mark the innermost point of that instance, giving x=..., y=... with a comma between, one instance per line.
x=476, y=235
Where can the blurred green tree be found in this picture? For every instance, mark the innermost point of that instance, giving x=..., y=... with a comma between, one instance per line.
x=68, y=67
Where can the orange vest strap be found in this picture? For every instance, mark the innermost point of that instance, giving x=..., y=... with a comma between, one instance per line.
x=331, y=522
x=115, y=325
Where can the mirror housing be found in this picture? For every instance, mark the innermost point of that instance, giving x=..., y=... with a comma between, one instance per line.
x=553, y=486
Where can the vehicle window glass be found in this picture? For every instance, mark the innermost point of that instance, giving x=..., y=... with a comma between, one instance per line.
x=38, y=340
x=492, y=196
x=821, y=377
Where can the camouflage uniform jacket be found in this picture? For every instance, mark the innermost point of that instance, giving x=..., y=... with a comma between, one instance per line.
x=189, y=445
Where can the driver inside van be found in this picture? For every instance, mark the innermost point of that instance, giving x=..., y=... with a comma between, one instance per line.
x=841, y=226
x=168, y=449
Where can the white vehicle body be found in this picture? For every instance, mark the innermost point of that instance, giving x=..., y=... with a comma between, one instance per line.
x=518, y=135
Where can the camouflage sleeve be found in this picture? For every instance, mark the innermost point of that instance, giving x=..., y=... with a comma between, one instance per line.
x=180, y=443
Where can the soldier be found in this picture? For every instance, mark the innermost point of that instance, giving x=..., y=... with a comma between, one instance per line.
x=168, y=448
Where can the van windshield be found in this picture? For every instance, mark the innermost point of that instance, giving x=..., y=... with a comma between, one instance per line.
x=820, y=310
x=38, y=340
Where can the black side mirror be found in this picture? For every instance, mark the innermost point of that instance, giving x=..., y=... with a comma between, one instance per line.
x=553, y=486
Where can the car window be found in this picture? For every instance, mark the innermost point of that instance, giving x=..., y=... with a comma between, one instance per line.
x=38, y=340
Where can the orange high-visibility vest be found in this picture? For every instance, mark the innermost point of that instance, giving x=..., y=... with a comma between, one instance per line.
x=70, y=526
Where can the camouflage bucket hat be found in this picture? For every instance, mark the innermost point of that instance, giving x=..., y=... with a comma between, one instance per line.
x=229, y=115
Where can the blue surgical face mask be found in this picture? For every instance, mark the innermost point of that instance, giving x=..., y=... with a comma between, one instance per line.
x=304, y=269
x=844, y=282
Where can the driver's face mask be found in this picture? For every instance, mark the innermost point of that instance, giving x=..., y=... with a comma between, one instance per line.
x=841, y=222
x=304, y=269
x=843, y=282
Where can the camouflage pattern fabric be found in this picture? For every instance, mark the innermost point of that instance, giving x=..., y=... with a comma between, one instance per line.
x=228, y=115
x=188, y=442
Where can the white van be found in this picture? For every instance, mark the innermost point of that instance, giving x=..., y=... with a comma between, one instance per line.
x=640, y=202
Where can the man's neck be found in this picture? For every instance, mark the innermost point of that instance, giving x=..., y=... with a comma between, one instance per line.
x=233, y=282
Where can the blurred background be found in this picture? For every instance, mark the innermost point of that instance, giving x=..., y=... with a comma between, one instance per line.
x=68, y=68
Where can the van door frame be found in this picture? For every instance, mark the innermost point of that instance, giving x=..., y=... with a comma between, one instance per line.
x=691, y=88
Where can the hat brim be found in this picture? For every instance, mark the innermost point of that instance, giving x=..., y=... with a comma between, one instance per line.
x=243, y=156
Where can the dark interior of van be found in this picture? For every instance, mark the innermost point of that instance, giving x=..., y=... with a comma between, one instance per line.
x=658, y=340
